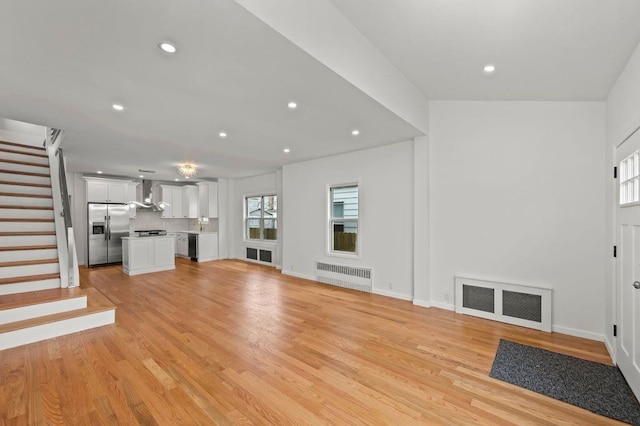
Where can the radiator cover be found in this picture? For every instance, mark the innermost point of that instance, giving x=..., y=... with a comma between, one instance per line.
x=352, y=277
x=524, y=305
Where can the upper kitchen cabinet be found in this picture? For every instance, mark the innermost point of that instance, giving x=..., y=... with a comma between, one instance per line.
x=208, y=194
x=107, y=191
x=172, y=195
x=190, y=202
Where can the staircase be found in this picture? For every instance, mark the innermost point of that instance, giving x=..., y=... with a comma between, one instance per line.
x=33, y=306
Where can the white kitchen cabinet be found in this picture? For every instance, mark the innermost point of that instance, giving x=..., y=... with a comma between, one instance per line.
x=144, y=255
x=172, y=195
x=207, y=246
x=107, y=191
x=208, y=195
x=175, y=242
x=190, y=202
x=182, y=244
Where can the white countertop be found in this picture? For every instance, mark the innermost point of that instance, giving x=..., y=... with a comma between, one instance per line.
x=144, y=238
x=192, y=232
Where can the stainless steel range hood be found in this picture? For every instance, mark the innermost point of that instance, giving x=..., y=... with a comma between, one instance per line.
x=147, y=196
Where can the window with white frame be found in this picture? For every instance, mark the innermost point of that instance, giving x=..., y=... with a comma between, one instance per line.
x=343, y=220
x=261, y=217
x=630, y=179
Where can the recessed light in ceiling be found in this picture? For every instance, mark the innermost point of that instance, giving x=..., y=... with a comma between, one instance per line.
x=287, y=150
x=117, y=107
x=292, y=105
x=176, y=179
x=355, y=132
x=141, y=176
x=167, y=47
x=222, y=134
x=99, y=172
x=489, y=68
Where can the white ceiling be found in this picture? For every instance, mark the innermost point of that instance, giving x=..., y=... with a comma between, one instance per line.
x=63, y=64
x=564, y=50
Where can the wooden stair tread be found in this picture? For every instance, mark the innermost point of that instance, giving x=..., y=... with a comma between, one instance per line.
x=26, y=219
x=36, y=247
x=11, y=301
x=23, y=163
x=27, y=278
x=16, y=183
x=26, y=207
x=20, y=172
x=26, y=233
x=13, y=151
x=22, y=194
x=18, y=325
x=28, y=262
x=21, y=145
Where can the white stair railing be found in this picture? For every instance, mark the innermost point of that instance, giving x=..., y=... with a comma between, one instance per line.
x=67, y=255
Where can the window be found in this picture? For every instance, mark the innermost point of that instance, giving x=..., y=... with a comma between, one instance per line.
x=343, y=223
x=630, y=179
x=261, y=217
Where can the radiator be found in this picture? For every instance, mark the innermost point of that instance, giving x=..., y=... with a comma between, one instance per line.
x=354, y=278
x=524, y=305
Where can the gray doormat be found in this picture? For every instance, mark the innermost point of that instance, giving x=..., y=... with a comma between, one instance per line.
x=593, y=386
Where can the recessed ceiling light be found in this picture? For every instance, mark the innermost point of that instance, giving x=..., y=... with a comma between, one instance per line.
x=141, y=176
x=292, y=105
x=167, y=47
x=117, y=107
x=176, y=179
x=222, y=134
x=287, y=150
x=99, y=172
x=489, y=68
x=355, y=132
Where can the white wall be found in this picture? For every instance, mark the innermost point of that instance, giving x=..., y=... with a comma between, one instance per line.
x=517, y=195
x=238, y=189
x=385, y=176
x=623, y=116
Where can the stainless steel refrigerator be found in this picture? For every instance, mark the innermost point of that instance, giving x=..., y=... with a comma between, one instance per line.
x=108, y=223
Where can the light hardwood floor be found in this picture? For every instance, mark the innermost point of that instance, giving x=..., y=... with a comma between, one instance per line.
x=230, y=342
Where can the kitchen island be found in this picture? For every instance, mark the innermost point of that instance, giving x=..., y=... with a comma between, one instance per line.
x=142, y=255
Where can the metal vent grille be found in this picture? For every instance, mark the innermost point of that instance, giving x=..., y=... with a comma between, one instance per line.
x=265, y=256
x=351, y=277
x=522, y=305
x=478, y=298
x=252, y=253
x=519, y=304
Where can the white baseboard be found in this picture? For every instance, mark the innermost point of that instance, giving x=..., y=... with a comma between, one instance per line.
x=423, y=303
x=392, y=294
x=446, y=306
x=611, y=348
x=298, y=275
x=207, y=259
x=148, y=270
x=578, y=333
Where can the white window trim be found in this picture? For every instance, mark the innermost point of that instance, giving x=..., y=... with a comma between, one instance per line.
x=249, y=241
x=329, y=236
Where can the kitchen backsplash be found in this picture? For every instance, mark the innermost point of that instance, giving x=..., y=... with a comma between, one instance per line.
x=153, y=220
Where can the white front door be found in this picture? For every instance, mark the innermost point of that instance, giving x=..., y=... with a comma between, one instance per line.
x=628, y=260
